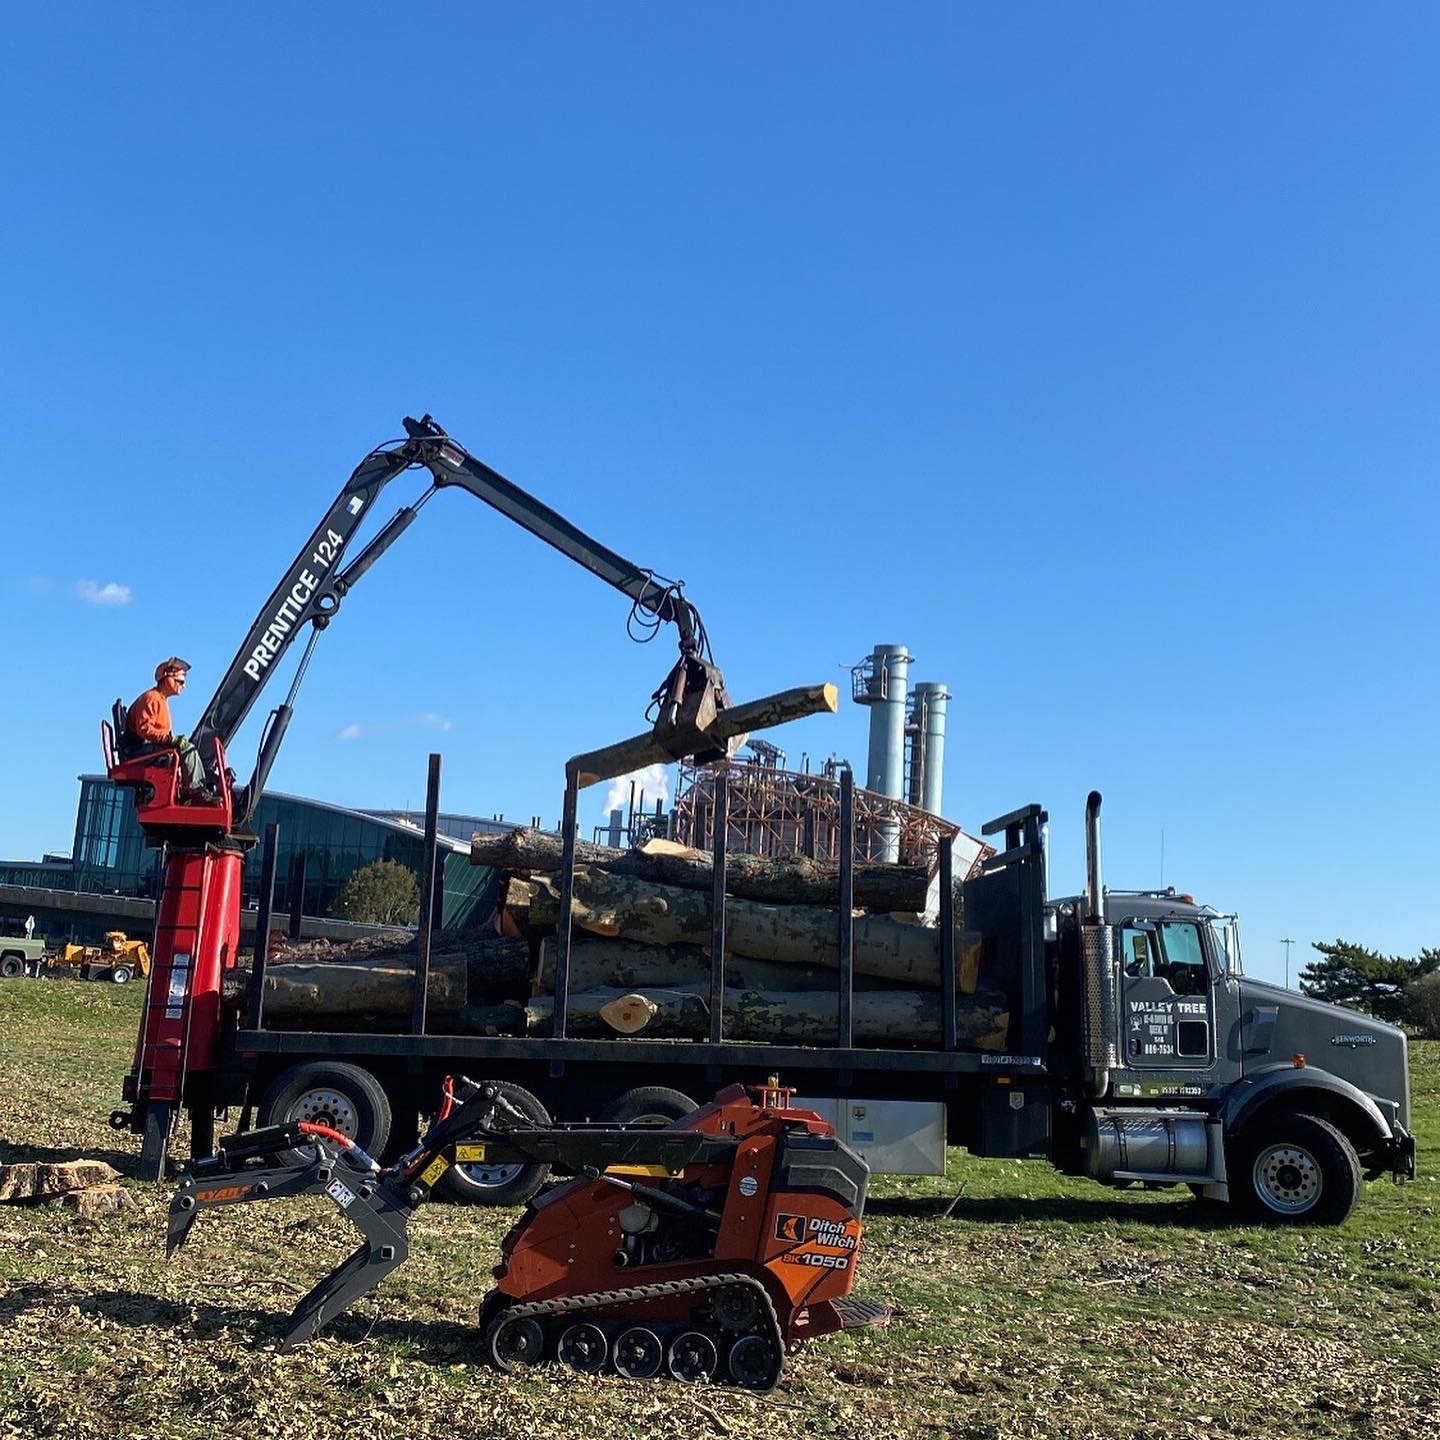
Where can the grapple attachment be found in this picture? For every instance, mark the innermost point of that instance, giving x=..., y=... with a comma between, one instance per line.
x=686, y=704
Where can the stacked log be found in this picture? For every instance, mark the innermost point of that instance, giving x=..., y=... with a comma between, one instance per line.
x=640, y=955
x=641, y=935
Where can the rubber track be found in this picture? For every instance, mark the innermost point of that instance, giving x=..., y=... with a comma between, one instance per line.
x=638, y=1294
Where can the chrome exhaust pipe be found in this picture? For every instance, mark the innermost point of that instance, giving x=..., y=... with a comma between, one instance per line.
x=1094, y=891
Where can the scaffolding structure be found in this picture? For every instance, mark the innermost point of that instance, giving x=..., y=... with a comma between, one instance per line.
x=779, y=812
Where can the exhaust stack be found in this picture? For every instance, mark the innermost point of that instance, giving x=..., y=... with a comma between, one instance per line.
x=1102, y=1007
x=1094, y=891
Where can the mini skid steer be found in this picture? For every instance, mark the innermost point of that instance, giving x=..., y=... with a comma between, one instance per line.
x=707, y=1250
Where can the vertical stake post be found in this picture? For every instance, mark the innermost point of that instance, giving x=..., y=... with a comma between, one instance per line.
x=567, y=898
x=297, y=893
x=717, y=909
x=947, y=942
x=427, y=898
x=269, y=859
x=846, y=1037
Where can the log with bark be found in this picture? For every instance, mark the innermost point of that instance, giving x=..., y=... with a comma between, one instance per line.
x=494, y=966
x=726, y=732
x=294, y=992
x=597, y=964
x=884, y=945
x=884, y=1017
x=788, y=879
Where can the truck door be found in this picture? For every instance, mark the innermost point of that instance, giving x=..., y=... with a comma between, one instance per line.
x=1167, y=1005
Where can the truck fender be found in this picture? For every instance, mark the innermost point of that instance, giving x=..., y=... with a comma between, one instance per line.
x=1257, y=1091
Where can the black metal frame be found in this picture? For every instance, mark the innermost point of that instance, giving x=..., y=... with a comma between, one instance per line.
x=716, y=1055
x=1004, y=904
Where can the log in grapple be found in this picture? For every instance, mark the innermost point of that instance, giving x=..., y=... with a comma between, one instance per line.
x=706, y=1250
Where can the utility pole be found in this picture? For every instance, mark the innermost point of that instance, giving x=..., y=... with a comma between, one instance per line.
x=1287, y=944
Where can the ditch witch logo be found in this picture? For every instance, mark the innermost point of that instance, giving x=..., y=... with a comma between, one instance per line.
x=831, y=1233
x=789, y=1227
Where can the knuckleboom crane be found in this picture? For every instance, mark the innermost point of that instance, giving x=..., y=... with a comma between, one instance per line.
x=198, y=912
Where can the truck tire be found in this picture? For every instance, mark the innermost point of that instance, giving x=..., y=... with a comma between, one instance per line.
x=12, y=967
x=479, y=1183
x=1294, y=1169
x=647, y=1105
x=333, y=1093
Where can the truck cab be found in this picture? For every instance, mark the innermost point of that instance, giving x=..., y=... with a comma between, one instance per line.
x=1174, y=1066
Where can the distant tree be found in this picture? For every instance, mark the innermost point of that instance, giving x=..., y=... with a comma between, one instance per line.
x=1366, y=980
x=1424, y=997
x=382, y=893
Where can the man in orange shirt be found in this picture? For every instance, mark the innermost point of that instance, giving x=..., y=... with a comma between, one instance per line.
x=148, y=720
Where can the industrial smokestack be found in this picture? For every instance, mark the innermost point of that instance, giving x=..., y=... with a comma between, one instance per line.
x=888, y=686
x=927, y=754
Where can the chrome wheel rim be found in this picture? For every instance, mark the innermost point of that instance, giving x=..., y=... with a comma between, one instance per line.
x=324, y=1106
x=488, y=1177
x=1287, y=1179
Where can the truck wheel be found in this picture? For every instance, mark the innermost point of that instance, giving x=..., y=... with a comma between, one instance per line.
x=333, y=1093
x=1295, y=1170
x=479, y=1183
x=121, y=974
x=12, y=967
x=648, y=1105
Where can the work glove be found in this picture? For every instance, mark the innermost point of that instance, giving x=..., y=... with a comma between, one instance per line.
x=177, y=740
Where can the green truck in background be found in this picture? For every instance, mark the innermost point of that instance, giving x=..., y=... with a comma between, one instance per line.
x=20, y=956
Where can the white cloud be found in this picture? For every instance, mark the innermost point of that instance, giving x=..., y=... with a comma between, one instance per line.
x=428, y=720
x=110, y=593
x=651, y=784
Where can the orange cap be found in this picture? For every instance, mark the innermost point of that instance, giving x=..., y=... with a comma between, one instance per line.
x=171, y=666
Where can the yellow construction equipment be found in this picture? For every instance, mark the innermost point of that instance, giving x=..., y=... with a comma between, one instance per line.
x=119, y=959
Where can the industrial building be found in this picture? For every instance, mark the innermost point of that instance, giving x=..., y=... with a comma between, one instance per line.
x=109, y=878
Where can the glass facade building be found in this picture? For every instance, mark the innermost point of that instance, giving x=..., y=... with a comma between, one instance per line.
x=110, y=857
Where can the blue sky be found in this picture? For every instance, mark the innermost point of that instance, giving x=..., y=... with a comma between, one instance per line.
x=1091, y=351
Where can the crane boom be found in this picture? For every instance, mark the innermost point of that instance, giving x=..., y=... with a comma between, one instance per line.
x=310, y=591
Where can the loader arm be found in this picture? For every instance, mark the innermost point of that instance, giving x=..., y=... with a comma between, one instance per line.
x=301, y=1158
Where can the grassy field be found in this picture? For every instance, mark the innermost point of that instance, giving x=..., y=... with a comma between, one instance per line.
x=1042, y=1306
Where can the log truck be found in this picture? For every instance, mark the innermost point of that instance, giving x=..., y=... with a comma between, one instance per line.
x=1137, y=1051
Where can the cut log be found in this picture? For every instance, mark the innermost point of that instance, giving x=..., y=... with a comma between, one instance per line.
x=293, y=991
x=597, y=964
x=887, y=1017
x=514, y=911
x=98, y=1201
x=613, y=905
x=727, y=729
x=790, y=879
x=628, y=1014
x=38, y=1180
